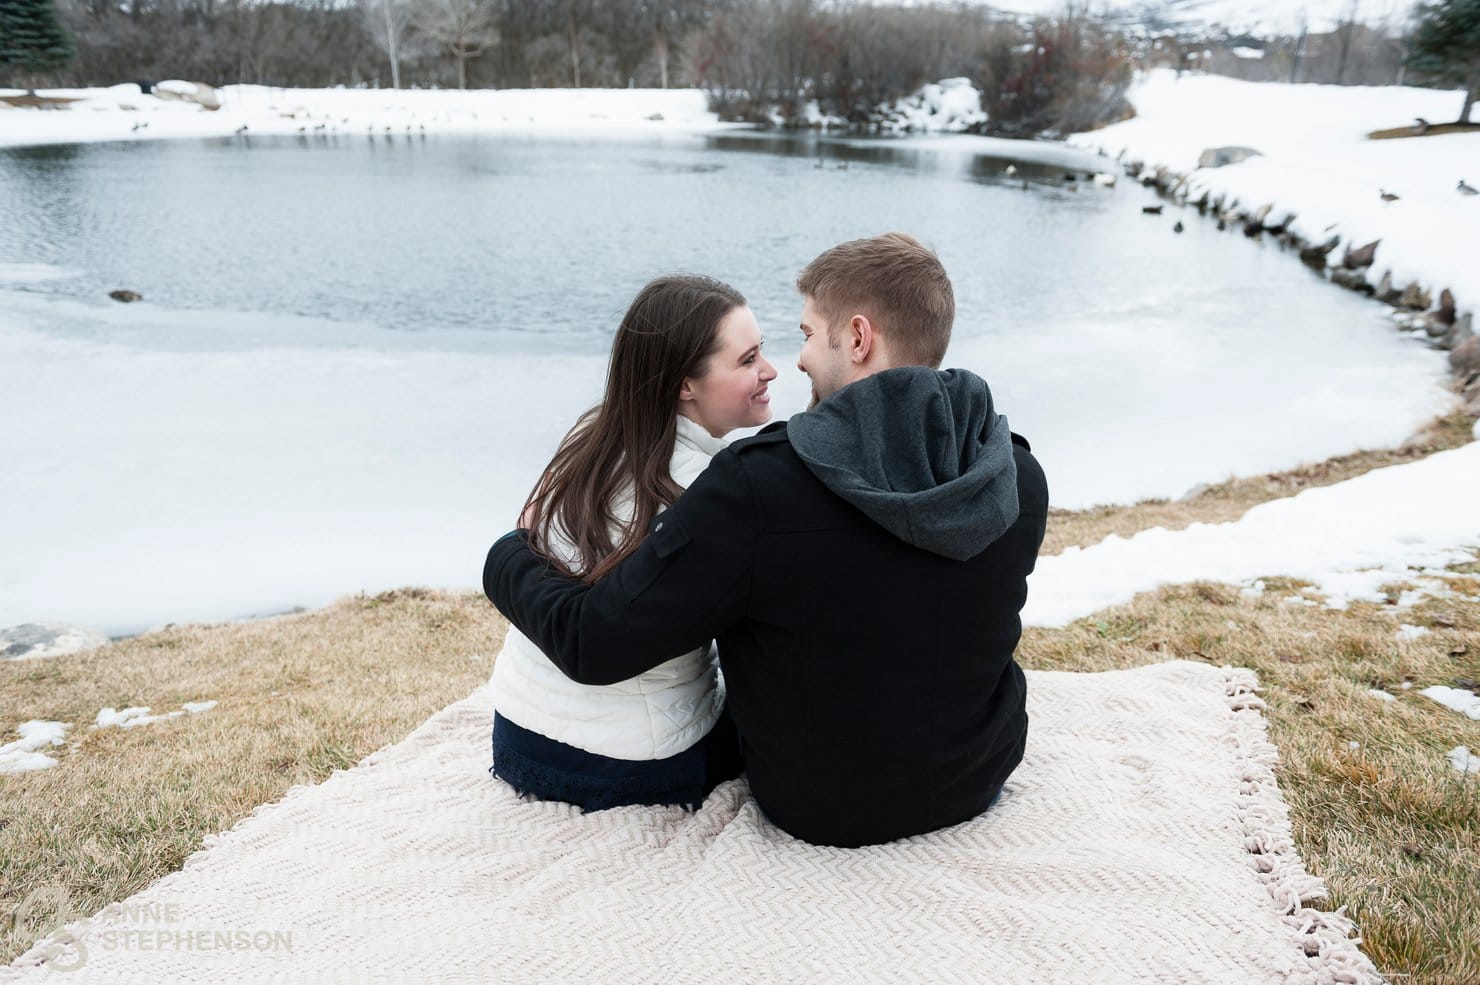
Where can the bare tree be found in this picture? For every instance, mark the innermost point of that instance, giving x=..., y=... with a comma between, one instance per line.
x=388, y=22
x=462, y=28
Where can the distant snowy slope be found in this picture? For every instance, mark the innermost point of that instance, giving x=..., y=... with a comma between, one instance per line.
x=1258, y=17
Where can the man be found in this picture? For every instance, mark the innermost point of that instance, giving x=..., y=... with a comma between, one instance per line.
x=862, y=567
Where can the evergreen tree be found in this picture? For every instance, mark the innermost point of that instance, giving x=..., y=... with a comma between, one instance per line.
x=32, y=38
x=1446, y=47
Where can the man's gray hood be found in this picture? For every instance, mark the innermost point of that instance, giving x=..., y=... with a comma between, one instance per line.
x=921, y=452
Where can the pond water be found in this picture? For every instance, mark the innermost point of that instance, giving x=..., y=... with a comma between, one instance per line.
x=355, y=354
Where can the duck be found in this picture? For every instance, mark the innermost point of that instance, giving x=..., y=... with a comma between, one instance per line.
x=1464, y=189
x=1151, y=210
x=1386, y=196
x=241, y=130
x=1178, y=227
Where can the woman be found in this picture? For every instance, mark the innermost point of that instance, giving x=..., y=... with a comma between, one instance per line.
x=686, y=369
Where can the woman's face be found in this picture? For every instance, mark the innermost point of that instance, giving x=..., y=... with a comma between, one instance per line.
x=732, y=392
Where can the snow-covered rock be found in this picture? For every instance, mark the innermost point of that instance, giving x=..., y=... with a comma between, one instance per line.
x=29, y=640
x=948, y=106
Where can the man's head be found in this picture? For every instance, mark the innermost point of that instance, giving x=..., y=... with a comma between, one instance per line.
x=870, y=305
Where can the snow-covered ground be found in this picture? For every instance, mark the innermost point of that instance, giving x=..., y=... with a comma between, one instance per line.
x=1348, y=539
x=121, y=113
x=1318, y=164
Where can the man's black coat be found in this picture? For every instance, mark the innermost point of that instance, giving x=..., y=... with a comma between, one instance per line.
x=872, y=682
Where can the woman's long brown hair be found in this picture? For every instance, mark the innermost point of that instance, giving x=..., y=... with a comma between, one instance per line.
x=626, y=441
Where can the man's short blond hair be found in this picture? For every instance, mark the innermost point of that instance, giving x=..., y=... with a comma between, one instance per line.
x=896, y=282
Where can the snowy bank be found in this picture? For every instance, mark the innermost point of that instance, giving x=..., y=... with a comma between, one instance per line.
x=1348, y=539
x=122, y=112
x=1315, y=162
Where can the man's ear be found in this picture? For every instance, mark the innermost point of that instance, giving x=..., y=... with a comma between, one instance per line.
x=860, y=339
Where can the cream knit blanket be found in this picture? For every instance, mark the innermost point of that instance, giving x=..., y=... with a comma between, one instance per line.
x=1143, y=839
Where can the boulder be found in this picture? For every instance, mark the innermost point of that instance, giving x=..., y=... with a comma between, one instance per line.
x=1217, y=157
x=1445, y=311
x=188, y=92
x=1415, y=298
x=1351, y=279
x=1361, y=257
x=1315, y=256
x=1386, y=292
x=1465, y=357
x=34, y=639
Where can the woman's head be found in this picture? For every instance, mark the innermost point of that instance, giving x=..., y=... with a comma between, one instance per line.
x=688, y=345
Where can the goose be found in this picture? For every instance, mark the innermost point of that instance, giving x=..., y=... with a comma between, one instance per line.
x=1464, y=189
x=1387, y=196
x=241, y=129
x=1178, y=227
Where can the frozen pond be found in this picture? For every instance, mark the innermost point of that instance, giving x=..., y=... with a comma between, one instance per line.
x=355, y=354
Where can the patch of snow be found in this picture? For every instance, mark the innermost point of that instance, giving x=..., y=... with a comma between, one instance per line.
x=1354, y=745
x=33, y=273
x=1463, y=760
x=1467, y=703
x=1407, y=685
x=136, y=716
x=1240, y=51
x=1254, y=590
x=1382, y=694
x=24, y=754
x=1407, y=632
x=1347, y=539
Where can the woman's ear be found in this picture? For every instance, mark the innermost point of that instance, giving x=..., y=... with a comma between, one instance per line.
x=686, y=389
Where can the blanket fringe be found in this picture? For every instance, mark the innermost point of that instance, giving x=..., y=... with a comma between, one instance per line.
x=1329, y=939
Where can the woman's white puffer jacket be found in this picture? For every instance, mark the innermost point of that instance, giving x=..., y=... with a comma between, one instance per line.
x=652, y=716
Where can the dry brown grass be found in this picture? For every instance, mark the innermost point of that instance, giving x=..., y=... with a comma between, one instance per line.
x=1391, y=826
x=300, y=696
x=1232, y=499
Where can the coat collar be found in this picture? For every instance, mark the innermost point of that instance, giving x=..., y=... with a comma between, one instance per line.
x=694, y=437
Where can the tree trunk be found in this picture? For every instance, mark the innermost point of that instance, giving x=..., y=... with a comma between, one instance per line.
x=660, y=47
x=1464, y=114
x=393, y=45
x=575, y=52
x=462, y=68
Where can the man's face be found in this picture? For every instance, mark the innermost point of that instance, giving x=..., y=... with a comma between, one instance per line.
x=826, y=364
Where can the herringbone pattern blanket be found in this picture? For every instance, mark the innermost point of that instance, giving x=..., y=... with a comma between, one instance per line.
x=1142, y=840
